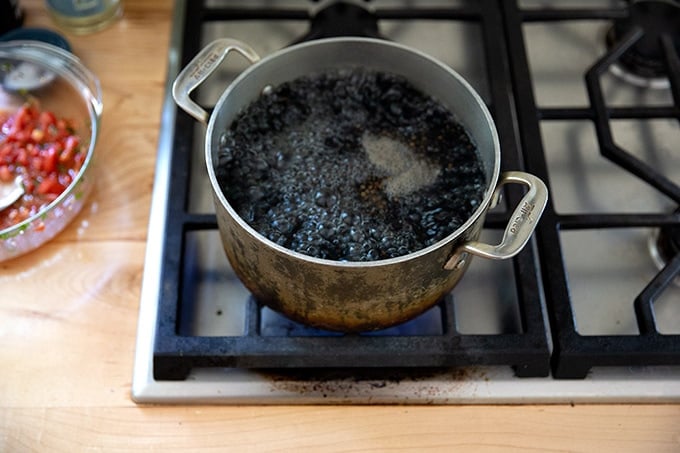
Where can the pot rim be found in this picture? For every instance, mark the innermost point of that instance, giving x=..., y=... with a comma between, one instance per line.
x=446, y=241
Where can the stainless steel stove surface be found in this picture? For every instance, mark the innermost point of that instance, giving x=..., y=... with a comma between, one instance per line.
x=584, y=314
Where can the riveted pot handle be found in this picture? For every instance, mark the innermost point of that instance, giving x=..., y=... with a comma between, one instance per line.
x=202, y=65
x=522, y=222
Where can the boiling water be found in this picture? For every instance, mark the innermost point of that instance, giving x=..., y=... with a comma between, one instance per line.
x=350, y=165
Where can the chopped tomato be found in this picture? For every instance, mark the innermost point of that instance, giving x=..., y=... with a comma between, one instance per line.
x=44, y=151
x=50, y=185
x=5, y=174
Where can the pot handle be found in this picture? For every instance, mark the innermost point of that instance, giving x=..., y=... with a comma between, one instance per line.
x=519, y=230
x=202, y=65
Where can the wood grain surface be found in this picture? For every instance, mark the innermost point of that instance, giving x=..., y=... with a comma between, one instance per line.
x=68, y=319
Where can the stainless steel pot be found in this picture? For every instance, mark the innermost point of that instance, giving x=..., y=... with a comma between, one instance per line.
x=355, y=296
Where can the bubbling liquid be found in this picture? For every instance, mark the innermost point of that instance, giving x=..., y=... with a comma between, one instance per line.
x=350, y=165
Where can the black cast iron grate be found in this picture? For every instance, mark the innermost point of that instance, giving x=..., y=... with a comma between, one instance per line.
x=575, y=354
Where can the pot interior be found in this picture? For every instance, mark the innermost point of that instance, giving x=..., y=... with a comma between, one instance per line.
x=424, y=72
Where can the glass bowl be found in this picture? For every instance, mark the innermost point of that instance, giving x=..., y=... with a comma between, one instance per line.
x=55, y=80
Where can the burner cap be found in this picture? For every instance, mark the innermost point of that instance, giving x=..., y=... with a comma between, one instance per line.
x=668, y=242
x=342, y=18
x=645, y=59
x=665, y=245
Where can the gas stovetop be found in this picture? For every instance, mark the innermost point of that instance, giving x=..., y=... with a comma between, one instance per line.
x=585, y=95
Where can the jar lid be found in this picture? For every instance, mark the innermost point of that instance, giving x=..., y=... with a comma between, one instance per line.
x=37, y=34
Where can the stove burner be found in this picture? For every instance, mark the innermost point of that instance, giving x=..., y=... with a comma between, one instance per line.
x=342, y=18
x=644, y=63
x=664, y=245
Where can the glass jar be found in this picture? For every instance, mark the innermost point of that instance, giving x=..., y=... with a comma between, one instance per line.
x=84, y=16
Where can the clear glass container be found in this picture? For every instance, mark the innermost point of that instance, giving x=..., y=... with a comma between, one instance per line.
x=32, y=71
x=84, y=16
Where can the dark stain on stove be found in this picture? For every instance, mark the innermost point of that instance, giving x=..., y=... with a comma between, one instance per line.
x=353, y=382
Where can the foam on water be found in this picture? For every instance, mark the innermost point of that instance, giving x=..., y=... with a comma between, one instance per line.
x=407, y=171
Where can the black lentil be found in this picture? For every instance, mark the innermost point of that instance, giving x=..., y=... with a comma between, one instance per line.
x=295, y=166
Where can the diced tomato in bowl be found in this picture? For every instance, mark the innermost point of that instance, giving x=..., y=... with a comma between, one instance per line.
x=46, y=154
x=48, y=134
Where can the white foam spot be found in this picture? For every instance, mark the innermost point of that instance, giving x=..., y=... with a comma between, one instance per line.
x=407, y=171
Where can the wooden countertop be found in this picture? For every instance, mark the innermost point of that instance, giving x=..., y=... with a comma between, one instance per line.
x=68, y=319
